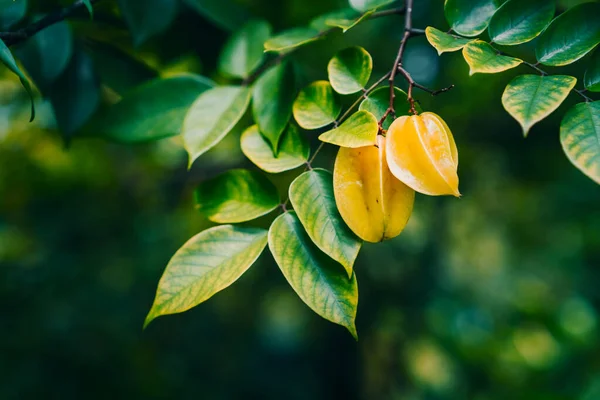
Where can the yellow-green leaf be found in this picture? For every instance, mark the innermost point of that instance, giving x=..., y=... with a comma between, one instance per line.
x=316, y=106
x=483, y=58
x=291, y=38
x=211, y=117
x=580, y=138
x=237, y=195
x=293, y=149
x=312, y=196
x=7, y=59
x=357, y=131
x=531, y=98
x=317, y=279
x=208, y=263
x=444, y=42
x=350, y=69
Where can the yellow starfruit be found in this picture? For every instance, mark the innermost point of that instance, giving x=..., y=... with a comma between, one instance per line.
x=372, y=202
x=421, y=153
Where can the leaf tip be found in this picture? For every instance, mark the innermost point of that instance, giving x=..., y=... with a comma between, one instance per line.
x=352, y=329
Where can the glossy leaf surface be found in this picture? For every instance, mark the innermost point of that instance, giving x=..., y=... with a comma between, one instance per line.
x=444, y=42
x=272, y=100
x=244, y=50
x=374, y=204
x=531, y=98
x=591, y=79
x=312, y=196
x=318, y=280
x=570, y=36
x=580, y=138
x=359, y=130
x=483, y=58
x=469, y=17
x=212, y=116
x=519, y=21
x=421, y=152
x=152, y=111
x=316, y=106
x=147, y=18
x=293, y=150
x=208, y=263
x=350, y=69
x=237, y=195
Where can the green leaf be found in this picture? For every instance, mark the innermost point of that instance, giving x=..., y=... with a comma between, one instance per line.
x=119, y=70
x=7, y=59
x=12, y=13
x=444, y=42
x=293, y=152
x=291, y=38
x=312, y=196
x=580, y=138
x=74, y=107
x=469, y=17
x=357, y=131
x=570, y=36
x=316, y=278
x=237, y=195
x=320, y=23
x=243, y=52
x=592, y=74
x=47, y=53
x=531, y=98
x=212, y=116
x=152, y=111
x=208, y=263
x=316, y=106
x=272, y=101
x=519, y=21
x=379, y=100
x=366, y=5
x=147, y=18
x=347, y=23
x=90, y=8
x=227, y=14
x=484, y=59
x=350, y=69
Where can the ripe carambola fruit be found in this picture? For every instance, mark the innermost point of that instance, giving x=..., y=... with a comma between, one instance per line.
x=372, y=202
x=421, y=153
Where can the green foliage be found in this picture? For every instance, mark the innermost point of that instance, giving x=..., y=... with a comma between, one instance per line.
x=208, y=263
x=243, y=52
x=312, y=196
x=444, y=42
x=290, y=39
x=228, y=14
x=591, y=79
x=90, y=8
x=237, y=195
x=349, y=70
x=377, y=103
x=518, y=21
x=483, y=58
x=272, y=100
x=211, y=117
x=359, y=130
x=570, y=36
x=293, y=149
x=7, y=59
x=365, y=5
x=345, y=20
x=316, y=106
x=148, y=18
x=580, y=137
x=319, y=281
x=152, y=111
x=12, y=13
x=531, y=98
x=469, y=17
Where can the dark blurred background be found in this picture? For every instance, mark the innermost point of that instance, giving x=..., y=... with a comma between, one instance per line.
x=491, y=296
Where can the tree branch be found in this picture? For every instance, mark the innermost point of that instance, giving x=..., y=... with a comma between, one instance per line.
x=12, y=38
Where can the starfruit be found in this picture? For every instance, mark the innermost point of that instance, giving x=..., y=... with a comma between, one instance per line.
x=421, y=153
x=372, y=202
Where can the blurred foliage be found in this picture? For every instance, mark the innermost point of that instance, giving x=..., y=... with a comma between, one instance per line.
x=493, y=296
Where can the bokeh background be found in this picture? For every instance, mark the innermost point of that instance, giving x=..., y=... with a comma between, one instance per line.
x=491, y=296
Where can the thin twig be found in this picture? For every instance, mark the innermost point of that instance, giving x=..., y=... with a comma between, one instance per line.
x=12, y=38
x=276, y=60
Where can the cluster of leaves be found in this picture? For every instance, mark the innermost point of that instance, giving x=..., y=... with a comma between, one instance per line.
x=560, y=41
